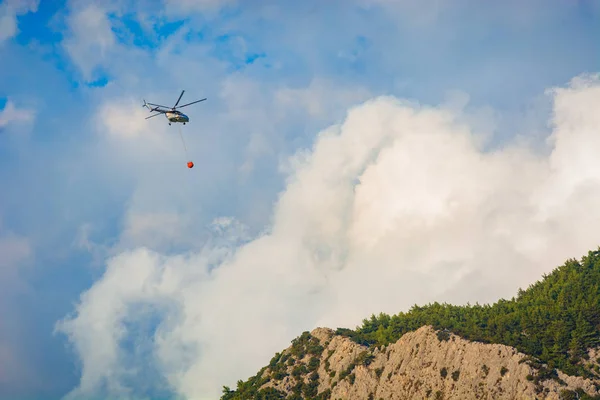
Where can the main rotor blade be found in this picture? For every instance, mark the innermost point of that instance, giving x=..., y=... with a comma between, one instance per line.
x=180, y=96
x=193, y=102
x=158, y=105
x=153, y=115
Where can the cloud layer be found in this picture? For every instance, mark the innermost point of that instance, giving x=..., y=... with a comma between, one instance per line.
x=11, y=114
x=399, y=204
x=83, y=177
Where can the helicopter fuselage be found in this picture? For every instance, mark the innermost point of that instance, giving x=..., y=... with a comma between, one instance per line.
x=177, y=117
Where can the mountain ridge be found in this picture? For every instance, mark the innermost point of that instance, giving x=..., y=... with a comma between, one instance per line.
x=552, y=327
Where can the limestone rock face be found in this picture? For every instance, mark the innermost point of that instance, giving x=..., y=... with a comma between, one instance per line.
x=423, y=364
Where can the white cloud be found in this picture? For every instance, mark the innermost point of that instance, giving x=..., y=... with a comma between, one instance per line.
x=15, y=252
x=427, y=13
x=414, y=12
x=125, y=119
x=155, y=230
x=8, y=25
x=90, y=40
x=11, y=114
x=265, y=110
x=9, y=11
x=187, y=6
x=396, y=206
x=321, y=98
x=98, y=39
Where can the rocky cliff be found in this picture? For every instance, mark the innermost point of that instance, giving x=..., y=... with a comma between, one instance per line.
x=423, y=364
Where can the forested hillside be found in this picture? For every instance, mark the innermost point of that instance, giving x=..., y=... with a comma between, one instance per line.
x=554, y=321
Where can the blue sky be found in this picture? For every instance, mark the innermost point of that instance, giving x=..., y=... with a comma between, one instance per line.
x=85, y=178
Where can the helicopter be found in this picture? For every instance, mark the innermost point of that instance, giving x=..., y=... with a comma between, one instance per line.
x=171, y=113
